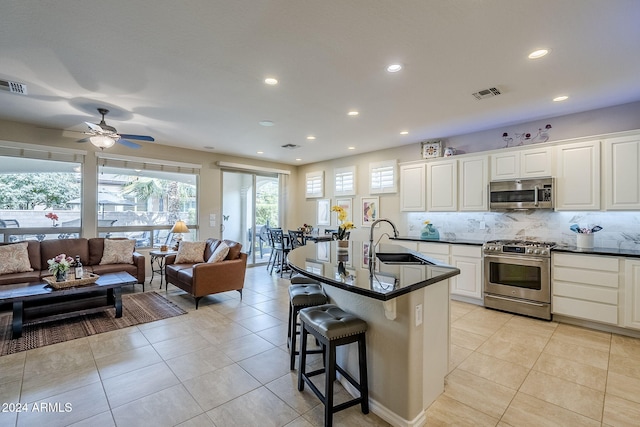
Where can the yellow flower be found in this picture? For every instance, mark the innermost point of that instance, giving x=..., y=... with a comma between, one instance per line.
x=348, y=225
x=344, y=224
x=427, y=222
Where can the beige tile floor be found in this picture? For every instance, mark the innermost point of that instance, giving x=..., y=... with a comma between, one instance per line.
x=226, y=364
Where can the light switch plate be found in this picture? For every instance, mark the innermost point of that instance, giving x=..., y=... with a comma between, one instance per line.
x=418, y=314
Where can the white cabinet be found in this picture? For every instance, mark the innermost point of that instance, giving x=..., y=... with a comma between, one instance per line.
x=412, y=188
x=442, y=186
x=578, y=176
x=632, y=294
x=468, y=283
x=621, y=164
x=586, y=287
x=523, y=163
x=437, y=251
x=473, y=181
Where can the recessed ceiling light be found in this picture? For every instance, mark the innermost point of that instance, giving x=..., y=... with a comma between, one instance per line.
x=260, y=152
x=560, y=98
x=394, y=68
x=538, y=53
x=404, y=132
x=351, y=148
x=311, y=137
x=353, y=113
x=266, y=123
x=271, y=81
x=298, y=160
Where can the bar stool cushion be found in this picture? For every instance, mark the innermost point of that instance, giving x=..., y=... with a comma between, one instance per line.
x=299, y=278
x=307, y=295
x=332, y=322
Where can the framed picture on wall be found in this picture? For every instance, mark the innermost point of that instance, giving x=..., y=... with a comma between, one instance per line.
x=324, y=212
x=370, y=210
x=431, y=149
x=346, y=205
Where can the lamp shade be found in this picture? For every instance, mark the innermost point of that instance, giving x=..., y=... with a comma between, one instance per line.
x=102, y=141
x=179, y=227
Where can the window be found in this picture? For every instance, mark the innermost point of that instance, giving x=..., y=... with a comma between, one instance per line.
x=40, y=192
x=142, y=200
x=315, y=184
x=345, y=181
x=383, y=177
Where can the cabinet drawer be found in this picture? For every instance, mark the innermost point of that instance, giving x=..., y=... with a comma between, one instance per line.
x=585, y=310
x=592, y=277
x=466, y=250
x=585, y=292
x=434, y=248
x=589, y=262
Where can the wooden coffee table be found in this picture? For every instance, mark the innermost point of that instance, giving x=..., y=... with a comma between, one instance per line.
x=39, y=301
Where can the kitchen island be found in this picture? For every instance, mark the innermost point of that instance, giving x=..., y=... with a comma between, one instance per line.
x=405, y=301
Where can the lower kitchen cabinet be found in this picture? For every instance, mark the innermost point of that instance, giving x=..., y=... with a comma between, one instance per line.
x=632, y=294
x=586, y=287
x=468, y=283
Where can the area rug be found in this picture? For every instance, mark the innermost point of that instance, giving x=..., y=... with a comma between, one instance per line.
x=136, y=309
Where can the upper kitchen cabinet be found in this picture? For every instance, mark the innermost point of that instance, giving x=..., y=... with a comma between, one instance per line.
x=442, y=186
x=473, y=178
x=621, y=173
x=578, y=176
x=523, y=163
x=412, y=188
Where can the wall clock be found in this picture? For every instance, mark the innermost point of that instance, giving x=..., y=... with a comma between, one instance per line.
x=431, y=149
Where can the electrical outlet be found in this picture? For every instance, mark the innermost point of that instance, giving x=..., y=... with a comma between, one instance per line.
x=482, y=225
x=418, y=314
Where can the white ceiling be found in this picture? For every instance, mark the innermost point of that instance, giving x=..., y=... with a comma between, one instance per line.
x=190, y=73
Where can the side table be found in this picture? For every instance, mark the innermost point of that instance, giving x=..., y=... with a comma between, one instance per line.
x=158, y=259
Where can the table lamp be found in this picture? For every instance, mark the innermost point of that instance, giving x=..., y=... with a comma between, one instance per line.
x=178, y=228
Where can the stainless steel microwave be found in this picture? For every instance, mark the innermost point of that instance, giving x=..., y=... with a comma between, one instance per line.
x=516, y=194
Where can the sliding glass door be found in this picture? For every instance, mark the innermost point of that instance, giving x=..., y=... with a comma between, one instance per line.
x=250, y=206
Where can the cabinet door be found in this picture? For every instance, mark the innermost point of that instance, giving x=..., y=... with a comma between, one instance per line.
x=505, y=165
x=632, y=294
x=621, y=173
x=578, y=176
x=412, y=194
x=474, y=179
x=442, y=186
x=535, y=162
x=469, y=260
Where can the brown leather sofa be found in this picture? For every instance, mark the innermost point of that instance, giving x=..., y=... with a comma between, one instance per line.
x=205, y=278
x=90, y=251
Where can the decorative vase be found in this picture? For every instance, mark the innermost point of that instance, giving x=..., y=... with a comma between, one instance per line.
x=343, y=243
x=61, y=276
x=429, y=232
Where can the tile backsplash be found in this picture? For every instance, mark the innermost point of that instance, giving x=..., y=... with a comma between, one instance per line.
x=620, y=230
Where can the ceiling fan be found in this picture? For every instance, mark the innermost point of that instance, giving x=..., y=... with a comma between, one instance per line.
x=104, y=136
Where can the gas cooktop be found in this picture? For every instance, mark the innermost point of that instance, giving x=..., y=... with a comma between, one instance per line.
x=518, y=247
x=525, y=243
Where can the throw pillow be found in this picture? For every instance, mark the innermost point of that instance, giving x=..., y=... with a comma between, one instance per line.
x=190, y=253
x=118, y=251
x=220, y=253
x=14, y=258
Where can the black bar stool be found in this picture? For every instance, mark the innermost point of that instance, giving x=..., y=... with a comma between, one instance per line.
x=303, y=292
x=333, y=327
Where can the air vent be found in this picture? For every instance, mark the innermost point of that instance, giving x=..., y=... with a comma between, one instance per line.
x=13, y=87
x=487, y=93
x=290, y=146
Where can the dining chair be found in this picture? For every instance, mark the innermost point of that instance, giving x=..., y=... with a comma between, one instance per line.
x=281, y=248
x=297, y=238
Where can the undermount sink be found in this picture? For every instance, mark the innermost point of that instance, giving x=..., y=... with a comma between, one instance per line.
x=401, y=258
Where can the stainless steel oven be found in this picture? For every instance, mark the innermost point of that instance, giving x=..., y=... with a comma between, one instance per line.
x=517, y=277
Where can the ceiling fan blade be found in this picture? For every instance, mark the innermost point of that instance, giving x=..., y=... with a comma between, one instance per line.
x=138, y=137
x=127, y=143
x=83, y=140
x=94, y=127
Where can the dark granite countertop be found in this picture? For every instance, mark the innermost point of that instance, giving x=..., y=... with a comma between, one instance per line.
x=631, y=253
x=441, y=240
x=349, y=269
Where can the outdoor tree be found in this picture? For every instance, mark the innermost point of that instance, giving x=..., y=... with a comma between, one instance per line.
x=25, y=191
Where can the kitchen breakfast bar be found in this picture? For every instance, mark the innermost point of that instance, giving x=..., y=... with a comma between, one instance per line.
x=404, y=298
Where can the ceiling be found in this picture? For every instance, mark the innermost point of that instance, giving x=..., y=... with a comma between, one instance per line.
x=191, y=74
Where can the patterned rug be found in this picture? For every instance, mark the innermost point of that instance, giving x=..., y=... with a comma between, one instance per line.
x=136, y=309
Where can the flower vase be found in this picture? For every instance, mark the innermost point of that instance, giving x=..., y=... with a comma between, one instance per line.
x=343, y=243
x=429, y=232
x=61, y=276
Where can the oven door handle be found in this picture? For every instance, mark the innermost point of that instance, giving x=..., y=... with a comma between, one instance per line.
x=514, y=300
x=526, y=260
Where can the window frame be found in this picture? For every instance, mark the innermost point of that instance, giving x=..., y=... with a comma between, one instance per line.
x=339, y=177
x=380, y=168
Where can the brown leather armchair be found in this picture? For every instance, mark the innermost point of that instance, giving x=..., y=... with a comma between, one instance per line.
x=205, y=278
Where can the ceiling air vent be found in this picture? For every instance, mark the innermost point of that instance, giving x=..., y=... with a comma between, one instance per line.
x=13, y=87
x=486, y=93
x=290, y=146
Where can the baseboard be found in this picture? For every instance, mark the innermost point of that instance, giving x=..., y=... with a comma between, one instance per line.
x=596, y=326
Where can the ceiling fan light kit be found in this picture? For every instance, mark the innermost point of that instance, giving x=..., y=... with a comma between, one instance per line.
x=102, y=141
